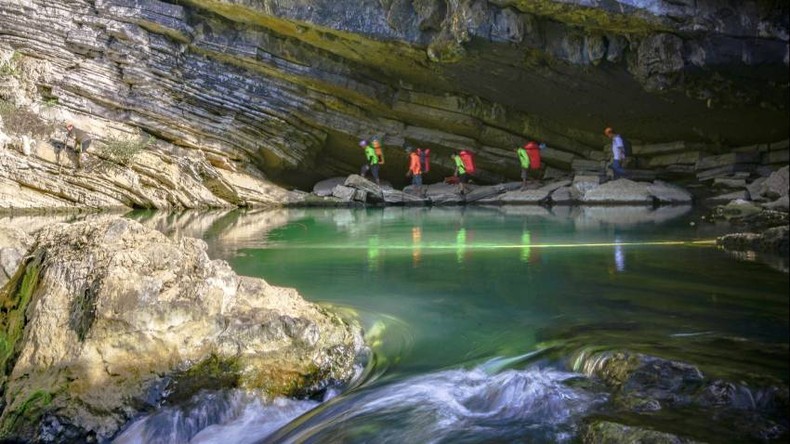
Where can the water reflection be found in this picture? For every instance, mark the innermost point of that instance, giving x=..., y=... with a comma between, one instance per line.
x=619, y=255
x=460, y=244
x=526, y=241
x=416, y=241
x=373, y=252
x=229, y=232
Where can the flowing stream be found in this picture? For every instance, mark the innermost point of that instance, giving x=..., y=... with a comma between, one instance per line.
x=484, y=321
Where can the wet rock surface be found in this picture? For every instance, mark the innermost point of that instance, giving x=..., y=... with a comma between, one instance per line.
x=119, y=319
x=662, y=395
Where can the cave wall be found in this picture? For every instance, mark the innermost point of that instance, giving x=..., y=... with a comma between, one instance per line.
x=290, y=86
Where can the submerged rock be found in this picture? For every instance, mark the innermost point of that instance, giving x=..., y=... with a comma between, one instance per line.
x=119, y=318
x=606, y=432
x=773, y=240
x=641, y=385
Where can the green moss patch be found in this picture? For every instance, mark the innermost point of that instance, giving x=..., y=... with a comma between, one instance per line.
x=14, y=299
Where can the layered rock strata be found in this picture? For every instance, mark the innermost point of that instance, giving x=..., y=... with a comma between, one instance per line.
x=290, y=86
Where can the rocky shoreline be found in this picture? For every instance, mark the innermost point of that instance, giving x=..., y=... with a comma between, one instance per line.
x=107, y=319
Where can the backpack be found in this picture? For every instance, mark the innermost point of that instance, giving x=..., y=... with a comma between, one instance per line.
x=425, y=159
x=627, y=147
x=469, y=162
x=379, y=152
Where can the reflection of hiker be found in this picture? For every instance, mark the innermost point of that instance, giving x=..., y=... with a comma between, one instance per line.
x=82, y=141
x=529, y=158
x=618, y=153
x=372, y=165
x=460, y=172
x=415, y=170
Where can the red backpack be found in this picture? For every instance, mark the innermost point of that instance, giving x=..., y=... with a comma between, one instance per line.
x=425, y=159
x=469, y=162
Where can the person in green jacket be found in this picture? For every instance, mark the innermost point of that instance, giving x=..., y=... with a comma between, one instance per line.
x=523, y=159
x=372, y=165
x=460, y=172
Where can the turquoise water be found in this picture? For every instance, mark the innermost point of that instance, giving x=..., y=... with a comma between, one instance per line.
x=477, y=315
x=456, y=286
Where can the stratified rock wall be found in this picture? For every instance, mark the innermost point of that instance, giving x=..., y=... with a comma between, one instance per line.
x=289, y=86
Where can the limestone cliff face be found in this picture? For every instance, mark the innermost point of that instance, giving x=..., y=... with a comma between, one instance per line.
x=290, y=86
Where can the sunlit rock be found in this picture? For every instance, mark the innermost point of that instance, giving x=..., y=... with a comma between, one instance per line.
x=120, y=317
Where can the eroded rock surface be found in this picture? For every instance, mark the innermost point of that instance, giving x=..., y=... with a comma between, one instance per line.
x=289, y=86
x=118, y=317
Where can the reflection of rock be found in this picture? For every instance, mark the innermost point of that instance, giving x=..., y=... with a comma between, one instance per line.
x=629, y=215
x=119, y=316
x=14, y=244
x=229, y=227
x=525, y=210
x=619, y=191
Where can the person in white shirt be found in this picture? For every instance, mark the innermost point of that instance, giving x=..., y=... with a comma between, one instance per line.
x=618, y=153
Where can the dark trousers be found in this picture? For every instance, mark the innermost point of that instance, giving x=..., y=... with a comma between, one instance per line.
x=617, y=169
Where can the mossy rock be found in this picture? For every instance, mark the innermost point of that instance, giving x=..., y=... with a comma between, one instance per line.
x=614, y=433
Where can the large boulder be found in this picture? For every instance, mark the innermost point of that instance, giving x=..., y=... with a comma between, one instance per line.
x=117, y=317
x=619, y=191
x=776, y=185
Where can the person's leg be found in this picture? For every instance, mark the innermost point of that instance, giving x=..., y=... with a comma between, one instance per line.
x=375, y=170
x=617, y=170
x=78, y=150
x=523, y=179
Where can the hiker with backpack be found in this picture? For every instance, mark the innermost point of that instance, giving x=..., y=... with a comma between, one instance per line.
x=415, y=170
x=529, y=158
x=372, y=165
x=619, y=153
x=82, y=141
x=460, y=172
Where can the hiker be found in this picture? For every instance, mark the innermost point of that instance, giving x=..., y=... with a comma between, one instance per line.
x=82, y=141
x=529, y=158
x=618, y=153
x=415, y=170
x=372, y=165
x=460, y=173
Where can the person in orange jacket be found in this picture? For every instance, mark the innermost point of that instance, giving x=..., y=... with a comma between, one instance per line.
x=415, y=170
